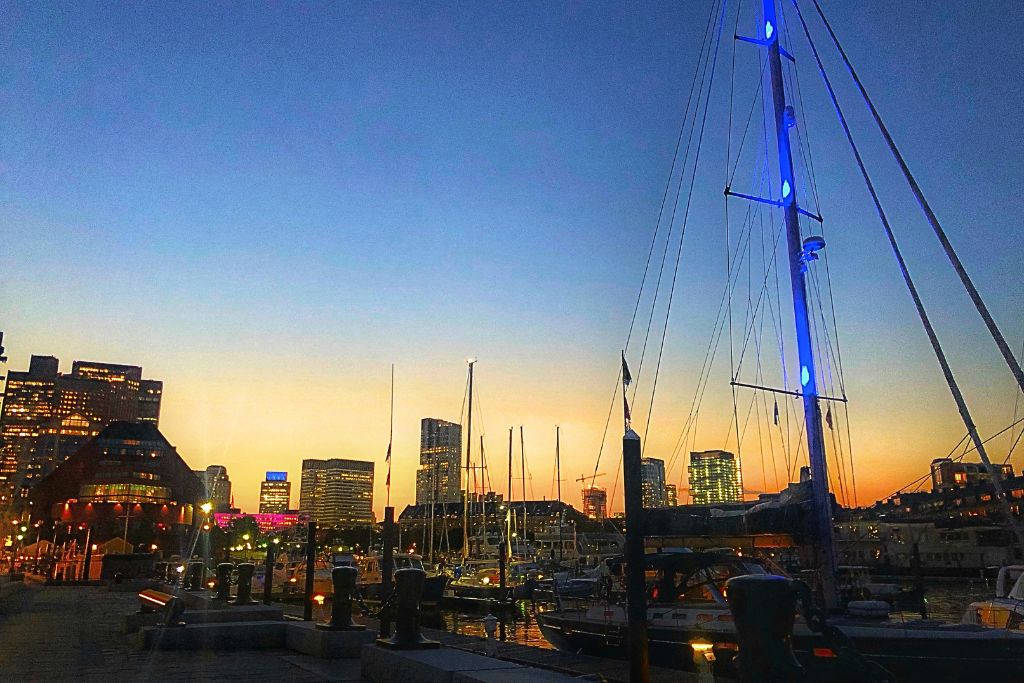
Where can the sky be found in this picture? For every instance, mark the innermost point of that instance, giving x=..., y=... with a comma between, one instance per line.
x=267, y=205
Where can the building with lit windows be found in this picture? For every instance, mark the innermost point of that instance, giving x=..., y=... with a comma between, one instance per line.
x=714, y=478
x=337, y=492
x=595, y=503
x=439, y=479
x=652, y=482
x=216, y=487
x=948, y=474
x=275, y=493
x=127, y=478
x=671, y=495
x=48, y=415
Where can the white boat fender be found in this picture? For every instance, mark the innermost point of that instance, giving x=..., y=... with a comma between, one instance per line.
x=868, y=609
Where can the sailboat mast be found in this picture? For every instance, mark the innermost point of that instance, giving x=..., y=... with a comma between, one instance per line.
x=558, y=477
x=805, y=350
x=508, y=514
x=522, y=464
x=469, y=451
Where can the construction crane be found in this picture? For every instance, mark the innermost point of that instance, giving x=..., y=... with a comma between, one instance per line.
x=592, y=477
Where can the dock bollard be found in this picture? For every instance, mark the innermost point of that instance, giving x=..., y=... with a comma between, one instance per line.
x=244, y=594
x=408, y=590
x=224, y=581
x=763, y=608
x=344, y=580
x=194, y=581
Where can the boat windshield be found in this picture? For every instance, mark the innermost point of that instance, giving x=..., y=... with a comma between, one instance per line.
x=704, y=586
x=408, y=563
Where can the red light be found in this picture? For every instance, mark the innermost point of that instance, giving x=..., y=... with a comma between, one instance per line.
x=823, y=652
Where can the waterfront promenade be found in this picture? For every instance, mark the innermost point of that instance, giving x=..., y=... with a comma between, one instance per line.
x=55, y=633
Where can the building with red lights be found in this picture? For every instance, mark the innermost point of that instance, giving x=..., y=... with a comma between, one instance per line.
x=128, y=480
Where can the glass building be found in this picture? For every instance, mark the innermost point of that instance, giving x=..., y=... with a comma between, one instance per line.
x=439, y=479
x=275, y=493
x=337, y=492
x=714, y=478
x=652, y=482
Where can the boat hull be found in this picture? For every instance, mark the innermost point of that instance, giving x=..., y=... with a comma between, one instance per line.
x=937, y=655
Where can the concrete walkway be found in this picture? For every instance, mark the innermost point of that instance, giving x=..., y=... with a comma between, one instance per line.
x=57, y=633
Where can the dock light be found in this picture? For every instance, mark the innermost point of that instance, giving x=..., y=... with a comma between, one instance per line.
x=292, y=580
x=95, y=547
x=24, y=528
x=277, y=541
x=20, y=536
x=206, y=507
x=180, y=569
x=153, y=547
x=701, y=645
x=245, y=537
x=486, y=580
x=206, y=527
x=211, y=584
x=319, y=599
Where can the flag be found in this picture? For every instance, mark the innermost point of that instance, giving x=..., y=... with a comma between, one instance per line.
x=776, y=411
x=626, y=404
x=828, y=417
x=387, y=458
x=626, y=377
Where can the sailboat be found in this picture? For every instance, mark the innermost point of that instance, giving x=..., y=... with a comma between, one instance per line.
x=687, y=602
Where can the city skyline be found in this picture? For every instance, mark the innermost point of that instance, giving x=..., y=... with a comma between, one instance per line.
x=473, y=184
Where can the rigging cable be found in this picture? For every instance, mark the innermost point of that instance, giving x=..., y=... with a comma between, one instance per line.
x=979, y=304
x=933, y=339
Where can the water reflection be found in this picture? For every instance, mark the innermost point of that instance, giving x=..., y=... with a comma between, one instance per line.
x=515, y=625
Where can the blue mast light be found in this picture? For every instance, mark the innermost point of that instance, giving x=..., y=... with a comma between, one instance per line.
x=786, y=189
x=769, y=30
x=805, y=376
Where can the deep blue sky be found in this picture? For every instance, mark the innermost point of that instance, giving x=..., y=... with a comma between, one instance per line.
x=266, y=204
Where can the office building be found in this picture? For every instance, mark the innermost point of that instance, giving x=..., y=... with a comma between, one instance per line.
x=275, y=493
x=671, y=495
x=595, y=503
x=652, y=482
x=48, y=415
x=337, y=492
x=714, y=478
x=216, y=486
x=440, y=475
x=151, y=392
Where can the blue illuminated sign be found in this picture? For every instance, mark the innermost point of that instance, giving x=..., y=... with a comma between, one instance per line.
x=277, y=476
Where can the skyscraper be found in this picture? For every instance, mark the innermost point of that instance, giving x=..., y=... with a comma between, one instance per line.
x=217, y=485
x=151, y=392
x=595, y=503
x=48, y=415
x=275, y=492
x=671, y=495
x=652, y=482
x=439, y=477
x=714, y=478
x=337, y=492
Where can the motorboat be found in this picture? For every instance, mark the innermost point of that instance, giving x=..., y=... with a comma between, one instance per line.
x=1006, y=609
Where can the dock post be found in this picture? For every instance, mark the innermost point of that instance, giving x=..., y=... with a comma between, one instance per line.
x=194, y=579
x=763, y=607
x=636, y=587
x=344, y=582
x=387, y=568
x=244, y=594
x=224, y=581
x=268, y=573
x=307, y=604
x=408, y=590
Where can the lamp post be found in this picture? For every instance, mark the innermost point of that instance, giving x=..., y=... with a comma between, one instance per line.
x=206, y=507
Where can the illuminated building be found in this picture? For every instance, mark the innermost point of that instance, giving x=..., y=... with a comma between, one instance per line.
x=265, y=521
x=337, y=492
x=595, y=503
x=30, y=403
x=947, y=474
x=150, y=394
x=439, y=478
x=275, y=493
x=714, y=478
x=127, y=477
x=671, y=495
x=48, y=415
x=216, y=486
x=652, y=482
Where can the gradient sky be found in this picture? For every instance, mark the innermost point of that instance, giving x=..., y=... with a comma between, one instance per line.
x=265, y=205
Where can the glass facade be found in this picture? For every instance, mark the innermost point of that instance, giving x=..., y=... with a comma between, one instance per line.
x=714, y=478
x=124, y=493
